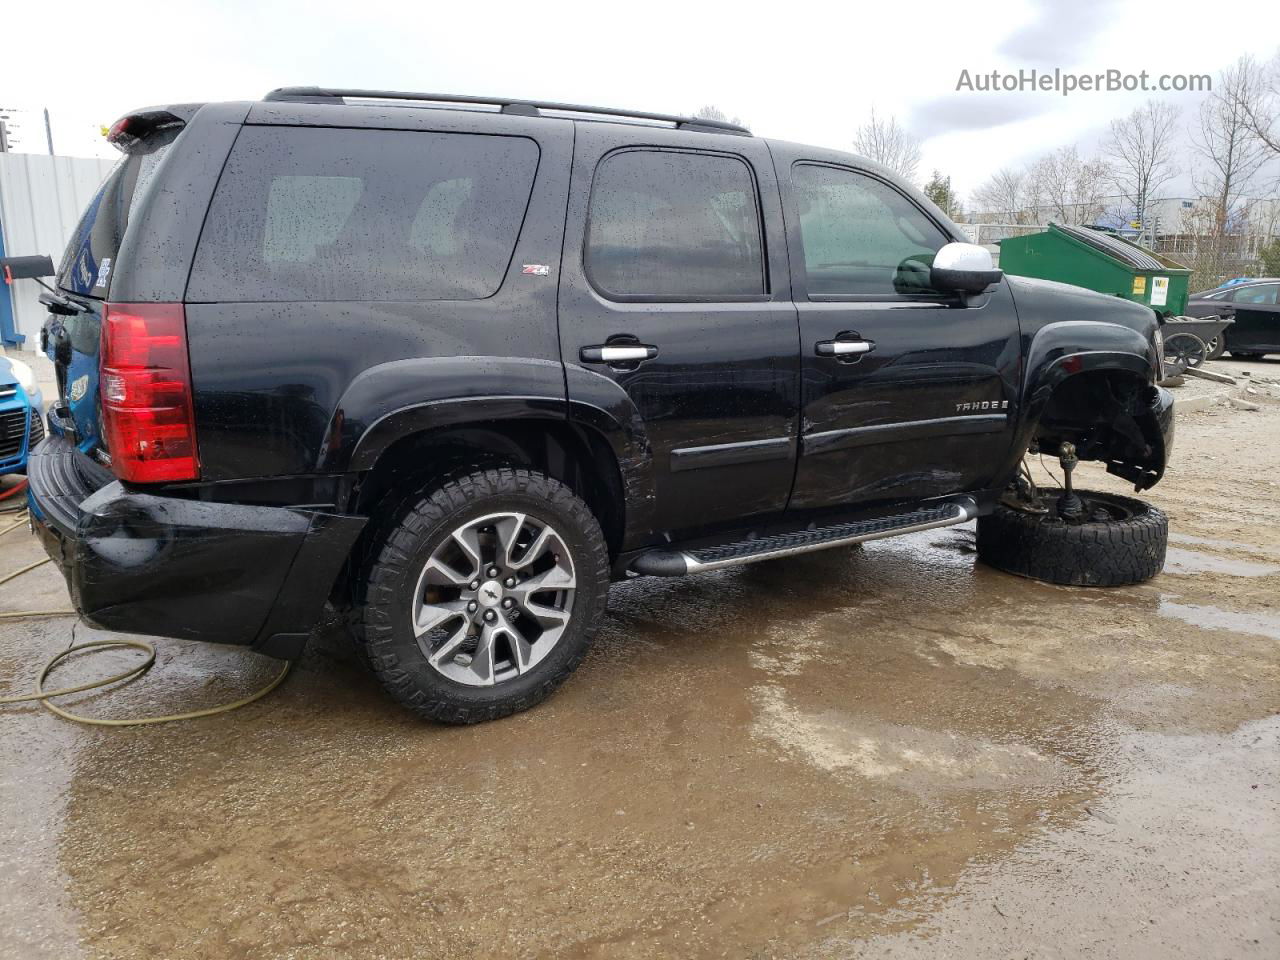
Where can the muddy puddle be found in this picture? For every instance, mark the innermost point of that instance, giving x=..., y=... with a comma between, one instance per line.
x=890, y=751
x=757, y=760
x=1179, y=561
x=1213, y=618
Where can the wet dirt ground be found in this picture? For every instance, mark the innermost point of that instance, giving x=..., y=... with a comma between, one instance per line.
x=889, y=751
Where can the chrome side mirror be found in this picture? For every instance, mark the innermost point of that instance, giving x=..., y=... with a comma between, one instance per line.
x=963, y=268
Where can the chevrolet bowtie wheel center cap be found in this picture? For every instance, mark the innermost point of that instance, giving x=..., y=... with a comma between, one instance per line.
x=490, y=593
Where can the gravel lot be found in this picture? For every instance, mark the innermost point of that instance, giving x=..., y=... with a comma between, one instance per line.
x=880, y=752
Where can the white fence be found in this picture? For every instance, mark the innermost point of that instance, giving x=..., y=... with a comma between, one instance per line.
x=41, y=199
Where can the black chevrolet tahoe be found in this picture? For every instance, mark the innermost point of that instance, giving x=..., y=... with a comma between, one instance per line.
x=447, y=366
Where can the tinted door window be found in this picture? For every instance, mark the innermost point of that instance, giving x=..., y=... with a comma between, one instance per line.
x=1264, y=293
x=665, y=224
x=329, y=214
x=860, y=236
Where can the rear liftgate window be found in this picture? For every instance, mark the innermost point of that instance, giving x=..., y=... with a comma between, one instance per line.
x=87, y=263
x=335, y=214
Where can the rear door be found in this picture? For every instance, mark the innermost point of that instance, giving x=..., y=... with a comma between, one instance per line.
x=675, y=308
x=907, y=394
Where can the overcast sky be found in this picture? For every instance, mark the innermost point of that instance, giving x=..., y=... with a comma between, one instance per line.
x=799, y=71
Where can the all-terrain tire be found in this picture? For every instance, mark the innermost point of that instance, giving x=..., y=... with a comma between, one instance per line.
x=1098, y=553
x=384, y=593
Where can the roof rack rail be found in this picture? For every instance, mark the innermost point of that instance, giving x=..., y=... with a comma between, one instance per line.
x=527, y=108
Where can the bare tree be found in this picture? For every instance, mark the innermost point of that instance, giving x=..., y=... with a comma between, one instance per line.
x=1091, y=189
x=1002, y=198
x=1141, y=148
x=1069, y=189
x=888, y=143
x=1229, y=156
x=1259, y=100
x=712, y=112
x=1231, y=151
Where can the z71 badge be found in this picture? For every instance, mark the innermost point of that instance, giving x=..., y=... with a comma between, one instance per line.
x=982, y=405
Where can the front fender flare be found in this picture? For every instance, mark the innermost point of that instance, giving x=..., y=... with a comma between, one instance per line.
x=1071, y=348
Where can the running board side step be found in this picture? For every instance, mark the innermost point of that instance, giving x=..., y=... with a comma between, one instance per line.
x=676, y=563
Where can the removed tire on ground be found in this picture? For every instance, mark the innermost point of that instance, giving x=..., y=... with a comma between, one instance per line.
x=1122, y=542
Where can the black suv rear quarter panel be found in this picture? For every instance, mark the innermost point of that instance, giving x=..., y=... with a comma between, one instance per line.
x=155, y=256
x=292, y=388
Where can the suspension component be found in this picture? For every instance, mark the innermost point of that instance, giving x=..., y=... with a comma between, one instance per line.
x=1070, y=506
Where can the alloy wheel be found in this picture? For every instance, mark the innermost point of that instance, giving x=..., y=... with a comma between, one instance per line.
x=493, y=599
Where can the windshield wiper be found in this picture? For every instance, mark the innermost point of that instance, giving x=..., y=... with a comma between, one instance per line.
x=60, y=304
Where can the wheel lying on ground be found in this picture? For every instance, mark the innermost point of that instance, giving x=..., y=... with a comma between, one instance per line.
x=1123, y=542
x=482, y=595
x=1185, y=348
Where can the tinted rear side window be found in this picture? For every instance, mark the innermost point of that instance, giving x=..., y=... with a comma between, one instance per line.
x=88, y=262
x=672, y=225
x=332, y=214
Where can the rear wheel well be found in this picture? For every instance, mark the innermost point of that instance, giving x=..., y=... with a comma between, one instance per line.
x=578, y=458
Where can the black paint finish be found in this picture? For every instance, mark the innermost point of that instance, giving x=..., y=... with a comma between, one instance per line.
x=300, y=399
x=870, y=421
x=170, y=566
x=830, y=441
x=727, y=373
x=734, y=423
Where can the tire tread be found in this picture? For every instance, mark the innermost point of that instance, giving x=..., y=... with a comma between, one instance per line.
x=396, y=543
x=1108, y=553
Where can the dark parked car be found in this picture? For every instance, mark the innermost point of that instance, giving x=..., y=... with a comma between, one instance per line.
x=452, y=365
x=1255, y=310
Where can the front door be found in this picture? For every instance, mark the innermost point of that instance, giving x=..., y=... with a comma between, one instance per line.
x=1257, y=319
x=674, y=302
x=907, y=393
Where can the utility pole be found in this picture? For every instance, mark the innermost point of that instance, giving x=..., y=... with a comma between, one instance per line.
x=48, y=131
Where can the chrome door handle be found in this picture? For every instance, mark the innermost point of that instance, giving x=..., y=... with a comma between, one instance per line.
x=843, y=348
x=618, y=353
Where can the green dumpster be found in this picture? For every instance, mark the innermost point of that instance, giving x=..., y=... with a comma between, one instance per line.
x=1101, y=262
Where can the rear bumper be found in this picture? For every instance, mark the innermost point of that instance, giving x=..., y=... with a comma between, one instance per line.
x=168, y=566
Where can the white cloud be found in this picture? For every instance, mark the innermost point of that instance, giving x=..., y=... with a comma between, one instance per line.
x=807, y=72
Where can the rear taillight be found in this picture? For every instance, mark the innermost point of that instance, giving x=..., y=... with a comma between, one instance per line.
x=147, y=414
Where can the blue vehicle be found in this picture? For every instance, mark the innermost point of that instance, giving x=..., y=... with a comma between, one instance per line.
x=1239, y=280
x=21, y=414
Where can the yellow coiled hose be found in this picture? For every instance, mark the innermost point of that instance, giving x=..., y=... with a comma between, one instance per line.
x=44, y=696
